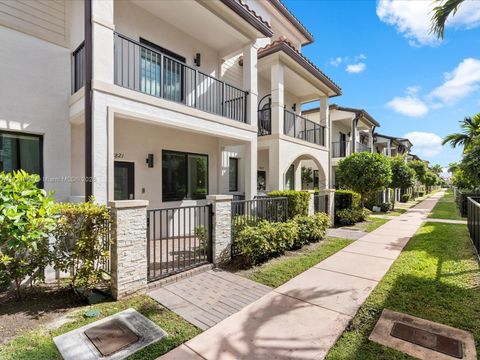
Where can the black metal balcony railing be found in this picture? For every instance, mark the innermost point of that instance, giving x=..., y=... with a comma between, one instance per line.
x=359, y=147
x=78, y=68
x=264, y=121
x=141, y=68
x=301, y=128
x=340, y=149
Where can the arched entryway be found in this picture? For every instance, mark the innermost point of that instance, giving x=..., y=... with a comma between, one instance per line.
x=304, y=172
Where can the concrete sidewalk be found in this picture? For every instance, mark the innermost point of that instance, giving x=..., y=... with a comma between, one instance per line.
x=303, y=318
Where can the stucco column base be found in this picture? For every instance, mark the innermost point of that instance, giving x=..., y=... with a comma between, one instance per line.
x=311, y=202
x=221, y=227
x=129, y=247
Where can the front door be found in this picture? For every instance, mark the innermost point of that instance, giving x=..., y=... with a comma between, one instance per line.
x=124, y=180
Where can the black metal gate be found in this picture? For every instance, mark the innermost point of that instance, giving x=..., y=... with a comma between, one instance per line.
x=178, y=239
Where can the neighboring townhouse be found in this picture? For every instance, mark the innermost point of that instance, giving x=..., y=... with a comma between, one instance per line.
x=351, y=132
x=288, y=141
x=391, y=146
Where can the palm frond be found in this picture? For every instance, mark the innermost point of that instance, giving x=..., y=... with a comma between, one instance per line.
x=440, y=15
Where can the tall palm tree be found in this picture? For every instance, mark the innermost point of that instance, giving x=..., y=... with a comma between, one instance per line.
x=441, y=13
x=437, y=169
x=452, y=167
x=470, y=129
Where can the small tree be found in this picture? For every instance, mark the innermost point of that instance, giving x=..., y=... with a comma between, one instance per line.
x=430, y=179
x=307, y=177
x=420, y=169
x=403, y=176
x=365, y=173
x=26, y=219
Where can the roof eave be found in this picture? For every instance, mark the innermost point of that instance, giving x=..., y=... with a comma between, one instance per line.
x=249, y=17
x=293, y=20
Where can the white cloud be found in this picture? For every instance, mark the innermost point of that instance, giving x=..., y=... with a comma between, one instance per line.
x=413, y=18
x=336, y=61
x=459, y=83
x=410, y=104
x=356, y=68
x=425, y=144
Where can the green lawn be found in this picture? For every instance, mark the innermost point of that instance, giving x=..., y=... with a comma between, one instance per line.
x=446, y=208
x=371, y=224
x=436, y=277
x=278, y=271
x=38, y=344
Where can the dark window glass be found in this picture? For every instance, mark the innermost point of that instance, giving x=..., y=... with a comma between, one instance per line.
x=124, y=176
x=21, y=151
x=233, y=174
x=290, y=178
x=184, y=176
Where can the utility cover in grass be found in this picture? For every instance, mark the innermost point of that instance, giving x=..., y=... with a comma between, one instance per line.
x=112, y=338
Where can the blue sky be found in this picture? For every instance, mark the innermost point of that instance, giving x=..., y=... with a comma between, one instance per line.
x=382, y=56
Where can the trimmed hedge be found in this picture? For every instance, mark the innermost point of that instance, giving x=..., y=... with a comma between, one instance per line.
x=297, y=201
x=405, y=198
x=352, y=216
x=347, y=199
x=264, y=240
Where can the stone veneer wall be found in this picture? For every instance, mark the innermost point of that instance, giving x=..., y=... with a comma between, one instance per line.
x=222, y=227
x=129, y=248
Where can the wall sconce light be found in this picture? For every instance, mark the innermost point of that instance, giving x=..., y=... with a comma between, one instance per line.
x=196, y=60
x=294, y=107
x=149, y=160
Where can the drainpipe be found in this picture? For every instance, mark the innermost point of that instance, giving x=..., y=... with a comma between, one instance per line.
x=88, y=100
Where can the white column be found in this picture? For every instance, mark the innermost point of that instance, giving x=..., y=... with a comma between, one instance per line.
x=389, y=151
x=251, y=169
x=103, y=70
x=297, y=166
x=275, y=172
x=250, y=81
x=102, y=33
x=277, y=91
x=325, y=120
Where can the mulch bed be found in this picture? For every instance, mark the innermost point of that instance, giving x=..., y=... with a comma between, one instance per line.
x=41, y=305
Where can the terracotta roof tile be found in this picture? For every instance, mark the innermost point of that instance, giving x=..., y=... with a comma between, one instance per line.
x=282, y=41
x=254, y=13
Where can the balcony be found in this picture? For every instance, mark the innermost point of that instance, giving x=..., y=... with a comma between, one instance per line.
x=301, y=128
x=340, y=149
x=265, y=121
x=141, y=68
x=359, y=147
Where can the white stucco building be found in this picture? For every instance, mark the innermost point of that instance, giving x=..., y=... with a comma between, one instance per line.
x=186, y=103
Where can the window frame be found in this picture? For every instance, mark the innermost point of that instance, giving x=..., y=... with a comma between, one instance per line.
x=186, y=154
x=236, y=160
x=40, y=145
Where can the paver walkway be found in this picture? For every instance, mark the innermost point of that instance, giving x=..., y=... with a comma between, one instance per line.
x=303, y=318
x=207, y=298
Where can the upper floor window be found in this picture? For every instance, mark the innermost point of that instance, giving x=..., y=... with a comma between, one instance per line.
x=233, y=174
x=184, y=176
x=20, y=151
x=150, y=72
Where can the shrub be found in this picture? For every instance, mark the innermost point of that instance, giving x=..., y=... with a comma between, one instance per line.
x=405, y=198
x=297, y=201
x=26, y=219
x=311, y=228
x=352, y=216
x=386, y=206
x=258, y=243
x=81, y=244
x=347, y=199
x=421, y=193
